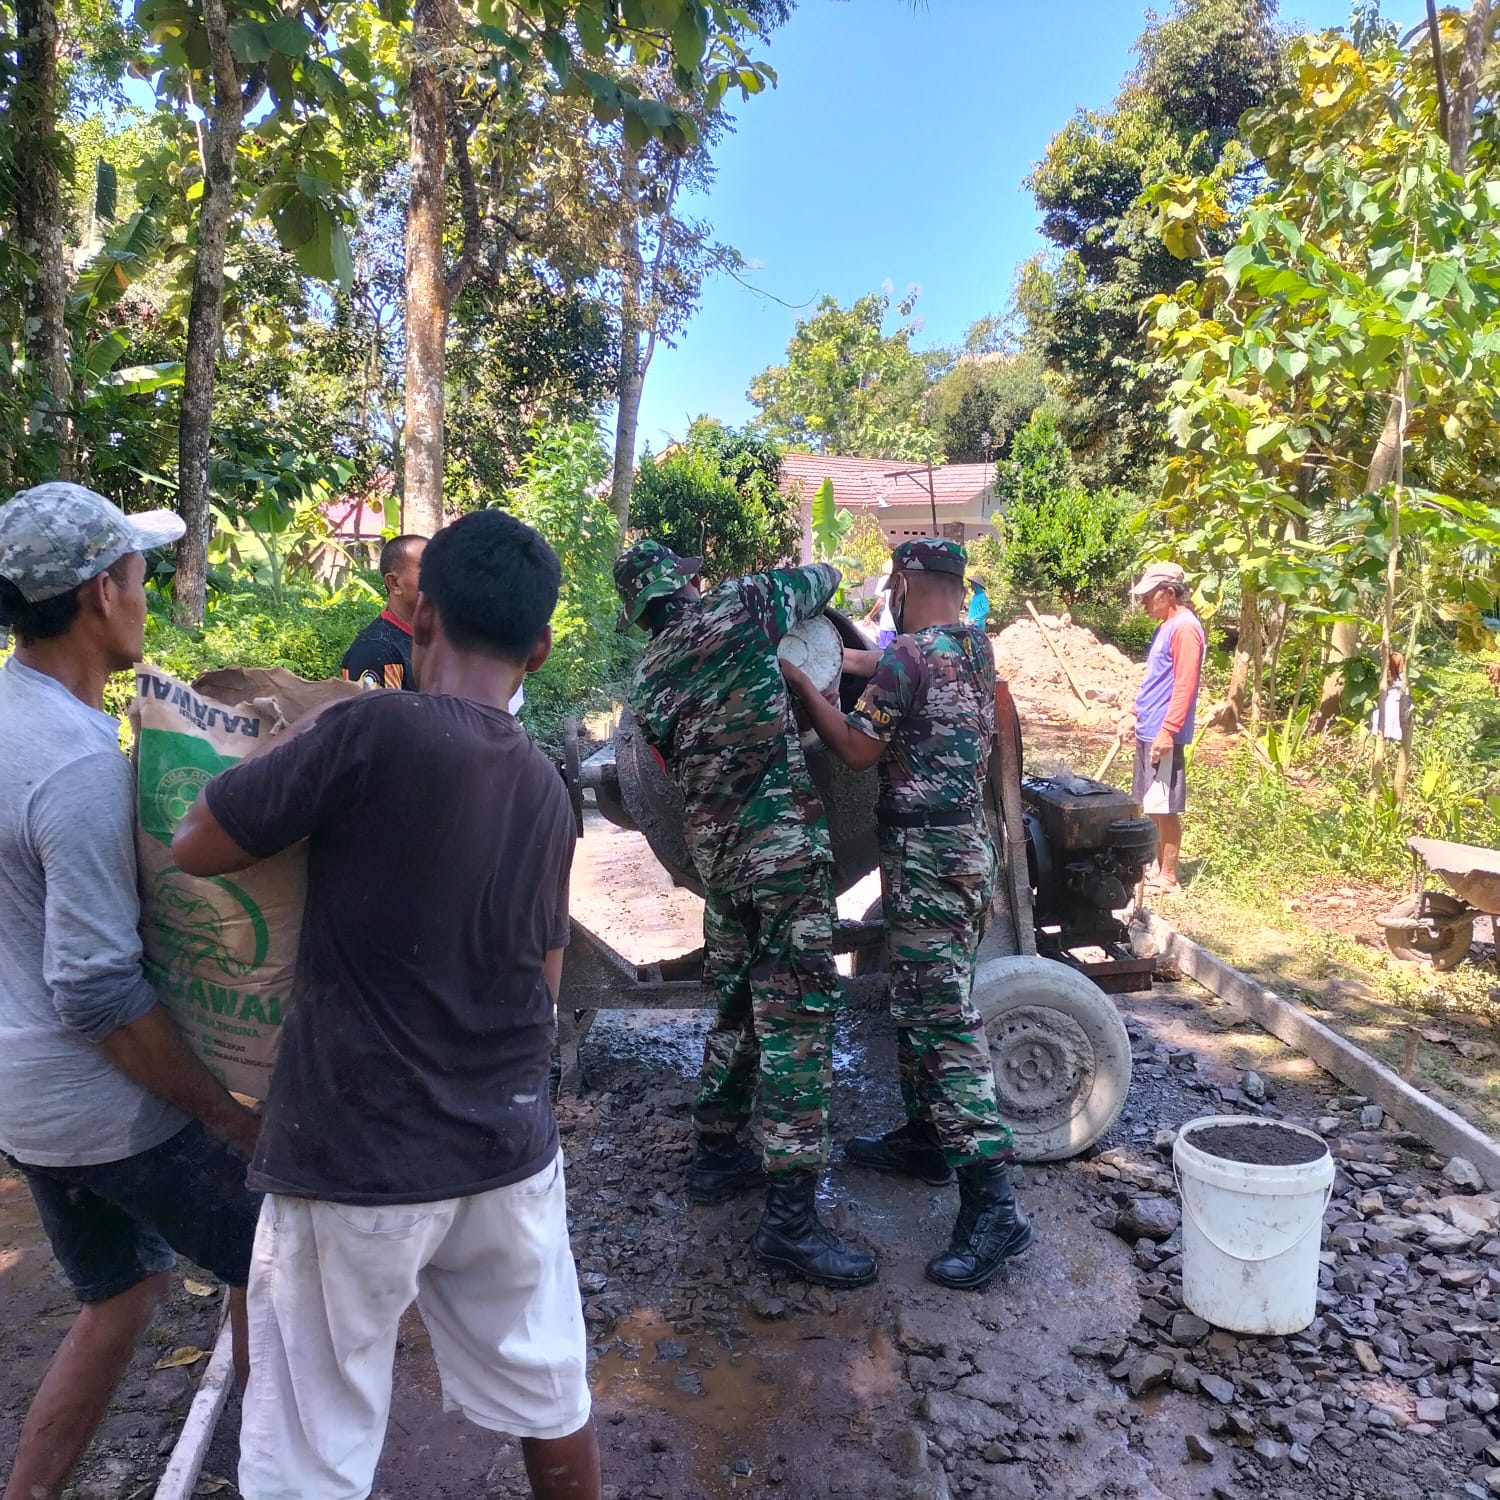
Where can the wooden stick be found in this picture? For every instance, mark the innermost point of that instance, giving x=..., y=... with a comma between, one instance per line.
x=1409, y=1052
x=1052, y=646
x=1005, y=782
x=1109, y=759
x=1438, y=1125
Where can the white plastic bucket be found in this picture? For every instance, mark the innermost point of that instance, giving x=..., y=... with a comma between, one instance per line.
x=1251, y=1233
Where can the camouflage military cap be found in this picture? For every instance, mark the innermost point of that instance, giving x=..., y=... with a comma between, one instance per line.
x=56, y=536
x=650, y=571
x=929, y=554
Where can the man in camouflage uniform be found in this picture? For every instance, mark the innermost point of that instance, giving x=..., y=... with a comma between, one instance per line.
x=928, y=717
x=708, y=696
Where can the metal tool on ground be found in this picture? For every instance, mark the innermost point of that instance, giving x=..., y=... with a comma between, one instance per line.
x=1061, y=1053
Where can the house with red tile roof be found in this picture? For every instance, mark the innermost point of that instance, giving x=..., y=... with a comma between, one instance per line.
x=949, y=500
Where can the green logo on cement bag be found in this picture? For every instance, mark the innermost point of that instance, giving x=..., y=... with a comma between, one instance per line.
x=200, y=924
x=176, y=792
x=173, y=769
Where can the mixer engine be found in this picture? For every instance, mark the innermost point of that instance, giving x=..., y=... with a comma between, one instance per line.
x=1087, y=847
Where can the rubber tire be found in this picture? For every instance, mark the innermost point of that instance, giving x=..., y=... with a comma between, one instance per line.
x=1009, y=988
x=1455, y=936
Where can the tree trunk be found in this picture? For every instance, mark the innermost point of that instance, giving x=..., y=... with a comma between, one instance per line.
x=632, y=384
x=632, y=370
x=1392, y=580
x=195, y=427
x=1384, y=463
x=427, y=300
x=1343, y=643
x=1278, y=639
x=39, y=224
x=1466, y=88
x=1235, y=708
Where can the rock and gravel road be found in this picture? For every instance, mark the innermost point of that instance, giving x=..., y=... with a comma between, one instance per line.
x=1077, y=1374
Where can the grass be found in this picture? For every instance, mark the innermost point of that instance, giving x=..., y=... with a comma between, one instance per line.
x=1287, y=869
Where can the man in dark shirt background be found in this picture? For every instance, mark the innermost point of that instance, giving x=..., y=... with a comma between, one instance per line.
x=381, y=653
x=408, y=1150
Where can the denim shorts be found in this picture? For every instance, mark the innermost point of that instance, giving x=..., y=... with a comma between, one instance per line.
x=114, y=1224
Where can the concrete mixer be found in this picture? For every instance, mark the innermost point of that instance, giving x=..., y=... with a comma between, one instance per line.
x=1071, y=849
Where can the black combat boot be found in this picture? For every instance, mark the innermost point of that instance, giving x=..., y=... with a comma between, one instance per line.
x=721, y=1168
x=911, y=1151
x=990, y=1228
x=791, y=1238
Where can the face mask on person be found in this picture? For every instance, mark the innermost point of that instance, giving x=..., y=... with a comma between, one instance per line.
x=898, y=604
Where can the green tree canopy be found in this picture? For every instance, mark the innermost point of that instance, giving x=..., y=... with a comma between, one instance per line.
x=1335, y=373
x=847, y=386
x=716, y=496
x=992, y=393
x=1058, y=540
x=1199, y=68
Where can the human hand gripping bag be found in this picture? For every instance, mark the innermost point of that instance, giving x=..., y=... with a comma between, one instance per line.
x=222, y=951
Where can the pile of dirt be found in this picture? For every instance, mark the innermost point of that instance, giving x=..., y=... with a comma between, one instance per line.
x=1107, y=677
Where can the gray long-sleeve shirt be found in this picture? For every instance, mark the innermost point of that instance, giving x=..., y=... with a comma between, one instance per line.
x=70, y=948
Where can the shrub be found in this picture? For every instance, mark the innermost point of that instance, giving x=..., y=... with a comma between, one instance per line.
x=559, y=494
x=1060, y=541
x=307, y=633
x=1128, y=627
x=867, y=550
x=716, y=497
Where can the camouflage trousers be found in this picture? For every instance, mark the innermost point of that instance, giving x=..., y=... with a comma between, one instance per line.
x=937, y=884
x=769, y=955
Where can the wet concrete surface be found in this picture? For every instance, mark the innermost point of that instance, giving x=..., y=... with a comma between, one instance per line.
x=712, y=1378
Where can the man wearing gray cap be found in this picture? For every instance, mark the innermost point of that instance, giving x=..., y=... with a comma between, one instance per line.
x=1164, y=711
x=129, y=1146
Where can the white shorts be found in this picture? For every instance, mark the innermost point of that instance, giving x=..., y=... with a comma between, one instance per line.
x=494, y=1280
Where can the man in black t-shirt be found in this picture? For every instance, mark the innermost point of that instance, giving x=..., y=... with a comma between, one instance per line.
x=381, y=653
x=408, y=1150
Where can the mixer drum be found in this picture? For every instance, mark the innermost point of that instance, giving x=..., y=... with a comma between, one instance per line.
x=655, y=807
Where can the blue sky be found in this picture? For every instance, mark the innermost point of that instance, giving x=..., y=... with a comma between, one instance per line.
x=893, y=149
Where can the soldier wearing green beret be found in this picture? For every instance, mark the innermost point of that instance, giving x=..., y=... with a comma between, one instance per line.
x=928, y=717
x=709, y=698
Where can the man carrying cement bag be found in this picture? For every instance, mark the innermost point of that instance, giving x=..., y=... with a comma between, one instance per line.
x=221, y=953
x=409, y=1150
x=130, y=1149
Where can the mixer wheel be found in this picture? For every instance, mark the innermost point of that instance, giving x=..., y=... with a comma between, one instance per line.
x=1061, y=1054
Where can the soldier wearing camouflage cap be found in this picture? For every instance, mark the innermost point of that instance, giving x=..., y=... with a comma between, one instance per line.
x=708, y=696
x=927, y=716
x=130, y=1148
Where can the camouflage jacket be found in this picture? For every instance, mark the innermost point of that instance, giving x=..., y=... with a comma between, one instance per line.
x=709, y=696
x=932, y=700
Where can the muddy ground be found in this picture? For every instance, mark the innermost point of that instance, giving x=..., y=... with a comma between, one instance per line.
x=713, y=1379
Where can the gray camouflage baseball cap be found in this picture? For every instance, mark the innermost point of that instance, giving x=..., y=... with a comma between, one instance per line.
x=56, y=536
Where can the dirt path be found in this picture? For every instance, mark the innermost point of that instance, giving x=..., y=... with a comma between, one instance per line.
x=36, y=1306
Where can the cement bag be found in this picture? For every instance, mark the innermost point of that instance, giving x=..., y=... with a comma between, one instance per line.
x=221, y=952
